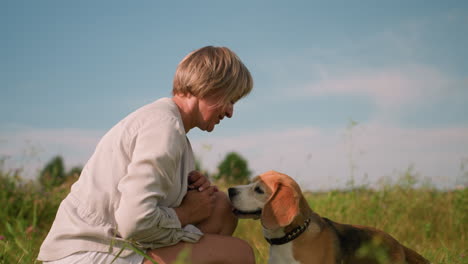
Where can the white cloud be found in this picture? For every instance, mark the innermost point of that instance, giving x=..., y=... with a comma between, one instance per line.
x=321, y=159
x=397, y=66
x=317, y=158
x=388, y=88
x=30, y=149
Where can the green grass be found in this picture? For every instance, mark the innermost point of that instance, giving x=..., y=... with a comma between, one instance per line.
x=433, y=222
x=26, y=216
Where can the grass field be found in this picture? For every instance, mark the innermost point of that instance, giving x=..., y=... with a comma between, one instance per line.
x=433, y=222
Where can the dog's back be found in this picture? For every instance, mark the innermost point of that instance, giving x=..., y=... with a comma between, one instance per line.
x=361, y=244
x=413, y=257
x=299, y=235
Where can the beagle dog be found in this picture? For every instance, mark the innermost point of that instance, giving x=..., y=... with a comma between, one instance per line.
x=297, y=234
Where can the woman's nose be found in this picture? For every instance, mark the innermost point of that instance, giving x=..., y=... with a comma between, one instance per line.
x=229, y=110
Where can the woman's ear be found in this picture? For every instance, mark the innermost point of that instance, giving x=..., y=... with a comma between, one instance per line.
x=281, y=208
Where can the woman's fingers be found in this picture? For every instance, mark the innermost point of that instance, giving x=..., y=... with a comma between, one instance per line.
x=193, y=176
x=198, y=181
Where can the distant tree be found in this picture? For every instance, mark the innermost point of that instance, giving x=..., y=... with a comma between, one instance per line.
x=233, y=169
x=53, y=174
x=74, y=172
x=199, y=167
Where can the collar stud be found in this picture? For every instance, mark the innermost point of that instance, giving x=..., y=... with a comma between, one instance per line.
x=289, y=236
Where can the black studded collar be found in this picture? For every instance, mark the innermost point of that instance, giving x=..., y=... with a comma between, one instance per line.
x=289, y=236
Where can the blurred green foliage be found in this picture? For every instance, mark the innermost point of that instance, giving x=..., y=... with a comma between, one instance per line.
x=53, y=174
x=233, y=169
x=433, y=222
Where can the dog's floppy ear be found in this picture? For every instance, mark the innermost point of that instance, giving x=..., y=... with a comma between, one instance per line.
x=281, y=208
x=256, y=178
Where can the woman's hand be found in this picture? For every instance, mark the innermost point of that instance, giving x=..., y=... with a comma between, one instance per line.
x=196, y=206
x=199, y=201
x=198, y=181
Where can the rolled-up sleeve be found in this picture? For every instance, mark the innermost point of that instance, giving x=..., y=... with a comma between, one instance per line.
x=157, y=148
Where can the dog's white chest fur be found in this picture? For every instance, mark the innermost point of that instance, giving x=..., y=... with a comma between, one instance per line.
x=282, y=254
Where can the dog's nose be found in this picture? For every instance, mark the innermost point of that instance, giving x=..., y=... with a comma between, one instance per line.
x=232, y=192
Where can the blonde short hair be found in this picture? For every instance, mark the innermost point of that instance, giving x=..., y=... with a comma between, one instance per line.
x=213, y=71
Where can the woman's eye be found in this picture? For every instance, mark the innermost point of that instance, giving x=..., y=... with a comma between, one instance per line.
x=258, y=190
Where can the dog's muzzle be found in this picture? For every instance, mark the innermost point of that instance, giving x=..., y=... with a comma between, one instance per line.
x=232, y=193
x=255, y=214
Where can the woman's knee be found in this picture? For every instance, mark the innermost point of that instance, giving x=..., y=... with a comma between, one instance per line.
x=232, y=250
x=211, y=249
x=222, y=221
x=223, y=212
x=223, y=204
x=245, y=253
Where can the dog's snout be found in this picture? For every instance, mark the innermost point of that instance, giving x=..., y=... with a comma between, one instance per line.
x=232, y=192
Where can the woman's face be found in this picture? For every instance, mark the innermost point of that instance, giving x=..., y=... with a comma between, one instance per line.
x=212, y=111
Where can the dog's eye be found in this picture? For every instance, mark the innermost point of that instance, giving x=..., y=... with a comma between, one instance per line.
x=259, y=190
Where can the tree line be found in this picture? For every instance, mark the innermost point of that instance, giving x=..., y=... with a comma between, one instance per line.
x=233, y=169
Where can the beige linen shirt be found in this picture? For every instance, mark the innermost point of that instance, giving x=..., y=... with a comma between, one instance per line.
x=128, y=188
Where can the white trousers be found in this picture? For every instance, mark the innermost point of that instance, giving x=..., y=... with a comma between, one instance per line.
x=90, y=257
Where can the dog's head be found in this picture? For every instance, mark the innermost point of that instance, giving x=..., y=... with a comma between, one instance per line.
x=273, y=197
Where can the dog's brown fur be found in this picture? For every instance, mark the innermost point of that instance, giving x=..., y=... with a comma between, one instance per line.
x=325, y=241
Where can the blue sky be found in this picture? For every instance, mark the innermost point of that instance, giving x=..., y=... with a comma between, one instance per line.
x=71, y=69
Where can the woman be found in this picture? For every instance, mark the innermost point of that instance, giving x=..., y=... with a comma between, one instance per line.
x=140, y=188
